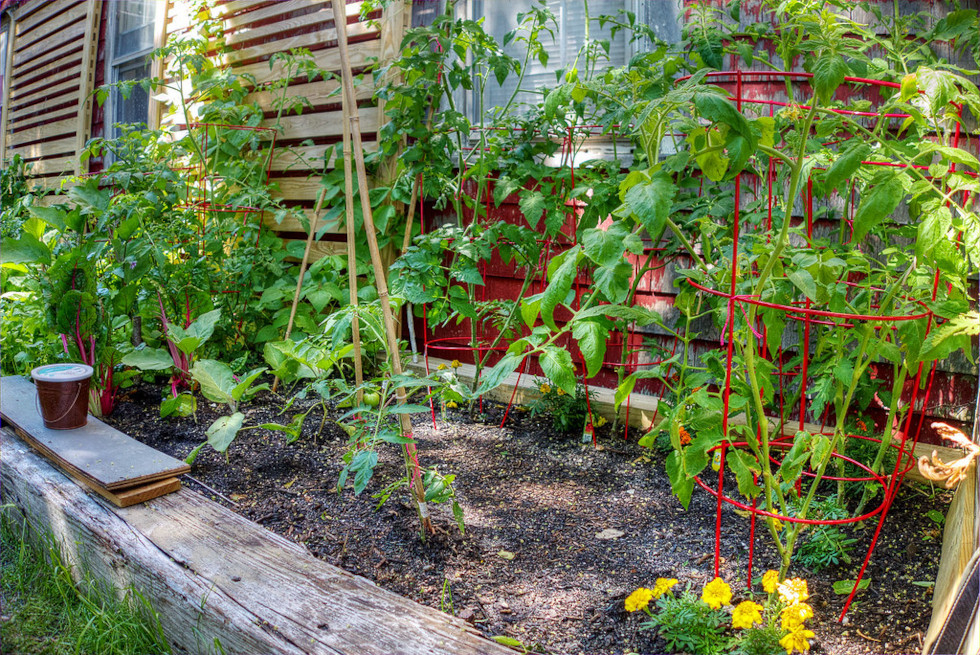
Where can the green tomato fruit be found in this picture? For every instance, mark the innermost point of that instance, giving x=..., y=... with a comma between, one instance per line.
x=371, y=398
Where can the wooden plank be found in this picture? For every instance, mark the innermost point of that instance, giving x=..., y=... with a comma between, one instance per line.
x=96, y=451
x=394, y=22
x=361, y=55
x=44, y=131
x=299, y=41
x=44, y=12
x=45, y=87
x=129, y=497
x=55, y=165
x=32, y=110
x=292, y=223
x=317, y=93
x=5, y=91
x=157, y=68
x=295, y=188
x=194, y=613
x=64, y=28
x=242, y=31
x=308, y=157
x=213, y=574
x=83, y=121
x=49, y=149
x=237, y=26
x=319, y=124
x=41, y=120
x=959, y=546
x=26, y=79
x=56, y=94
x=27, y=69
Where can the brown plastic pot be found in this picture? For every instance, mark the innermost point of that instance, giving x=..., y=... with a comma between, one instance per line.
x=62, y=394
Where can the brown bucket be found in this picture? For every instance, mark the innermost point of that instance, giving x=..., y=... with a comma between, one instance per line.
x=62, y=393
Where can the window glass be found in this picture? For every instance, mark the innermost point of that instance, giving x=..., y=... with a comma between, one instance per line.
x=501, y=17
x=132, y=25
x=134, y=21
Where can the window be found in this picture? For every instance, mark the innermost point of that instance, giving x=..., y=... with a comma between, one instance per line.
x=132, y=32
x=501, y=17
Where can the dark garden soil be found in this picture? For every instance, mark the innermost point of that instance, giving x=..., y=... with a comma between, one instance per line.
x=530, y=565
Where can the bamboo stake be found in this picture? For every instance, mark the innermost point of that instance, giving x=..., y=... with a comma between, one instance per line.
x=354, y=127
x=302, y=269
x=355, y=325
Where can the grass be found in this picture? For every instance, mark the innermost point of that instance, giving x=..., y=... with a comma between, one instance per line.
x=46, y=612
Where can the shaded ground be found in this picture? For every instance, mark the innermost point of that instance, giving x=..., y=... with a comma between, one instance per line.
x=543, y=498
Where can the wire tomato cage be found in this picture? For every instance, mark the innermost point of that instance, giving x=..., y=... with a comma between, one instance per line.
x=811, y=316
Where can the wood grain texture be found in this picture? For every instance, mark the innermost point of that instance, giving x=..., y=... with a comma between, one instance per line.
x=63, y=146
x=47, y=32
x=96, y=451
x=317, y=93
x=284, y=24
x=320, y=124
x=5, y=90
x=46, y=87
x=288, y=42
x=261, y=593
x=42, y=12
x=89, y=58
x=74, y=31
x=329, y=60
x=27, y=69
x=301, y=158
x=54, y=95
x=44, y=131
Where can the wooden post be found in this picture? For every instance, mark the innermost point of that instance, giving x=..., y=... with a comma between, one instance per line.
x=84, y=129
x=354, y=126
x=7, y=73
x=355, y=324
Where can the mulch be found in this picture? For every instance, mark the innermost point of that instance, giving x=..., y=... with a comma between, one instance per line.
x=530, y=565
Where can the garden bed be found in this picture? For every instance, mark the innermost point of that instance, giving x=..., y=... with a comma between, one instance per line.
x=530, y=565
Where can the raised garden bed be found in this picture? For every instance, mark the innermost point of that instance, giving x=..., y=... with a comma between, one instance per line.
x=531, y=565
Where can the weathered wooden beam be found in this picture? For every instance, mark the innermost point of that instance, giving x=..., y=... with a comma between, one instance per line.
x=215, y=577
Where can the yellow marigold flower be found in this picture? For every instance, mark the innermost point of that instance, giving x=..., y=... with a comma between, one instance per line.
x=770, y=581
x=663, y=586
x=638, y=599
x=452, y=404
x=545, y=388
x=441, y=367
x=600, y=421
x=746, y=614
x=717, y=593
x=793, y=617
x=796, y=640
x=561, y=392
x=455, y=363
x=793, y=591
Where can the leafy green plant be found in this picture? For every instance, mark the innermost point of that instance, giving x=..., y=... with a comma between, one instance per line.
x=569, y=412
x=220, y=384
x=687, y=624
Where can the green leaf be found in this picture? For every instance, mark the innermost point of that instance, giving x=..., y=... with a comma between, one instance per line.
x=846, y=165
x=194, y=453
x=878, y=203
x=796, y=457
x=829, y=70
x=149, y=359
x=844, y=587
x=216, y=380
x=492, y=378
x=533, y=205
x=239, y=390
x=591, y=336
x=556, y=362
x=651, y=202
x=224, y=430
x=605, y=246
x=745, y=466
x=614, y=281
x=561, y=273
x=53, y=216
x=803, y=281
x=718, y=109
x=510, y=642
x=183, y=404
x=26, y=249
x=680, y=484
